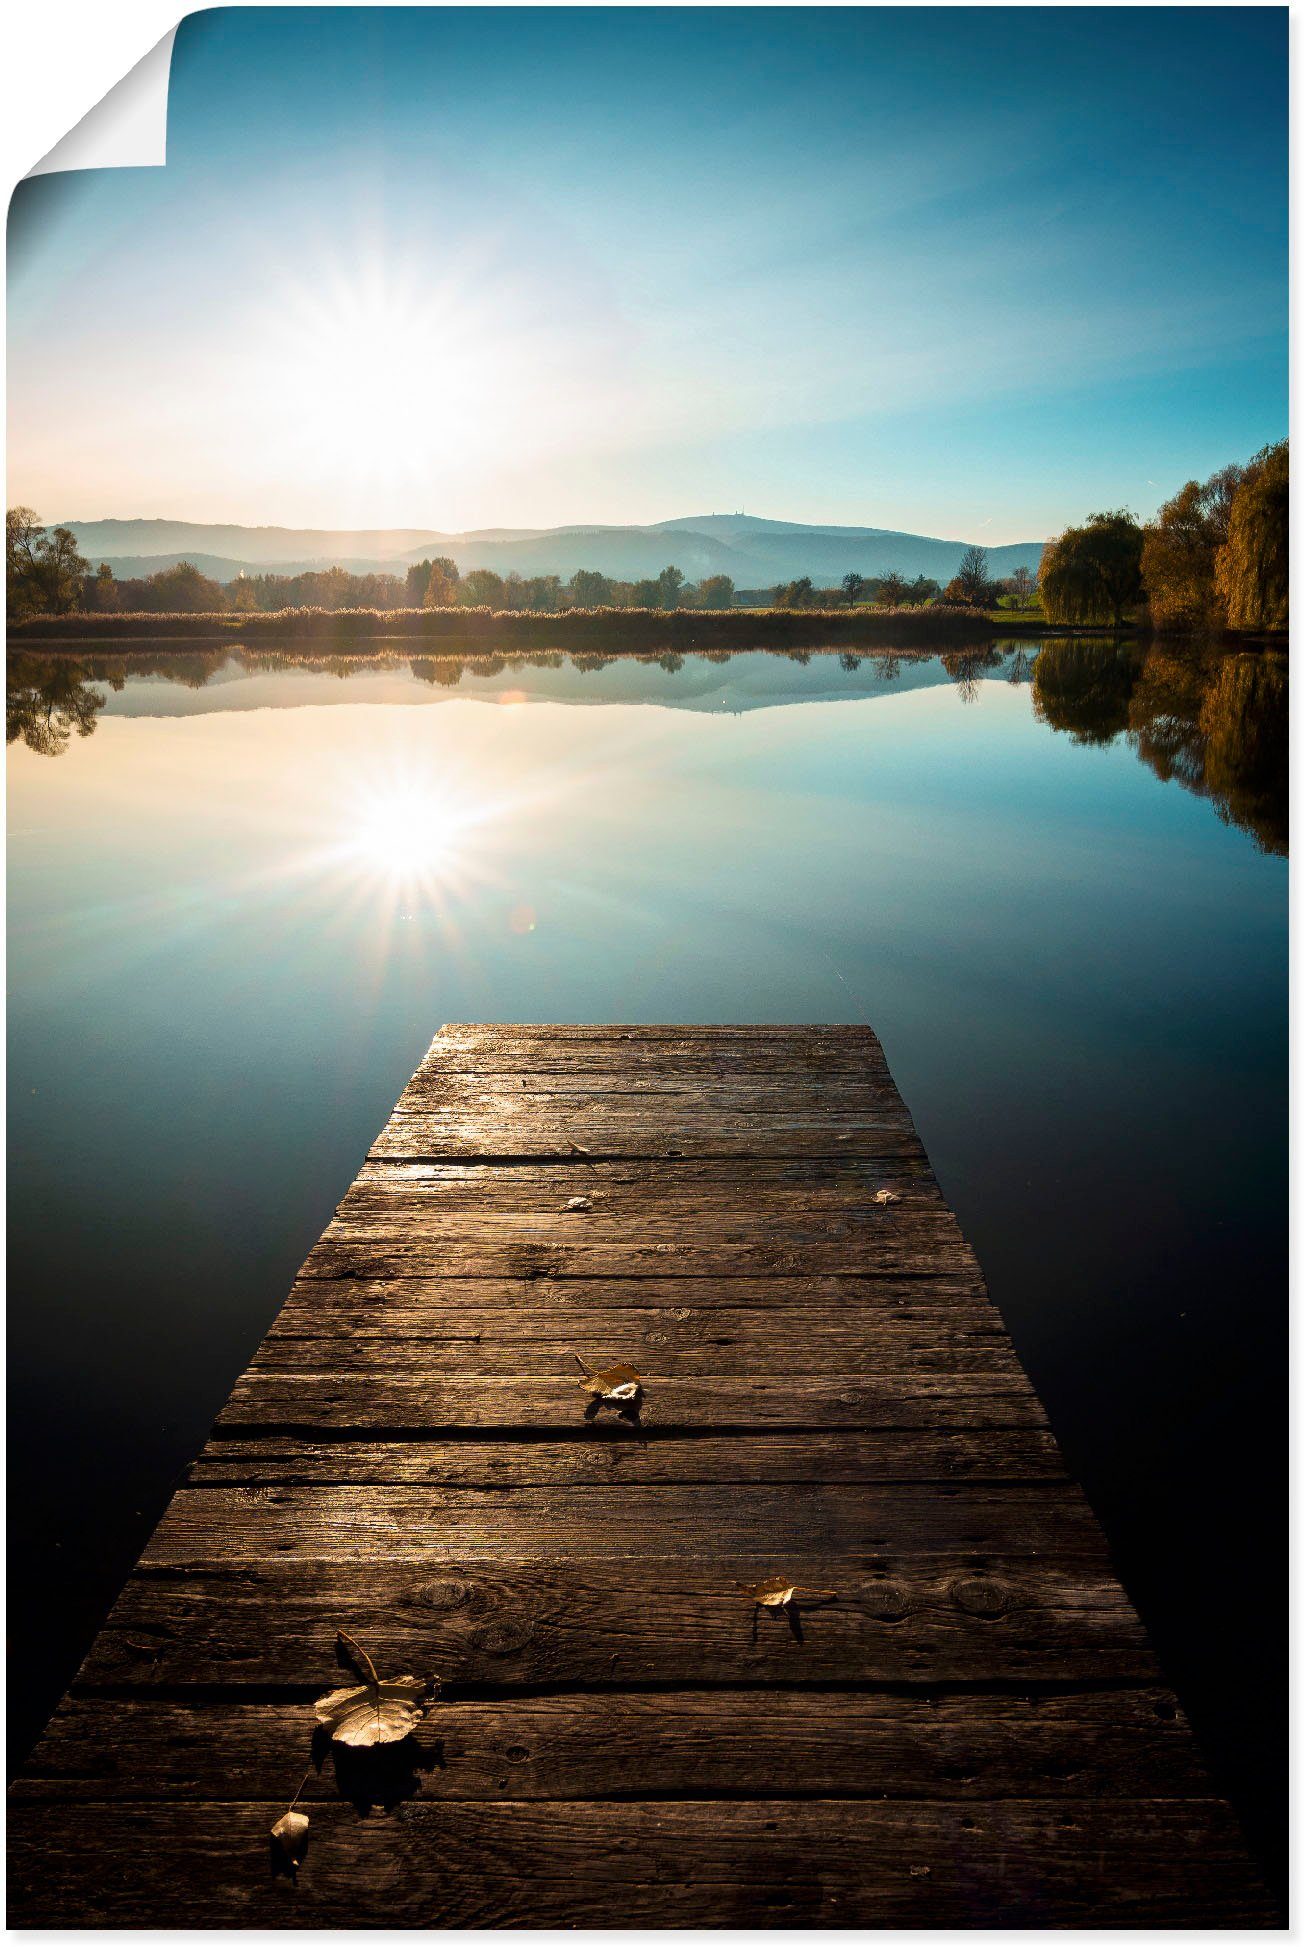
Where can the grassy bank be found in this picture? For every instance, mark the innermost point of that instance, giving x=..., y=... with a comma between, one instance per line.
x=608, y=630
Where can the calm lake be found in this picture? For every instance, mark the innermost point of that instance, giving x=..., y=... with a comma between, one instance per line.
x=242, y=899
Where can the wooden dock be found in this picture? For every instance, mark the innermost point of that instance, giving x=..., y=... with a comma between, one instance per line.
x=970, y=1732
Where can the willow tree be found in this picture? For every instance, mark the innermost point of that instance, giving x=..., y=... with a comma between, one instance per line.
x=1179, y=557
x=1253, y=568
x=1093, y=573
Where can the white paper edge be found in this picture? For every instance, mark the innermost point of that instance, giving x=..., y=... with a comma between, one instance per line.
x=128, y=129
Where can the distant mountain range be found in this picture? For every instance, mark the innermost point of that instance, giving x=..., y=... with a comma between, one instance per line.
x=756, y=553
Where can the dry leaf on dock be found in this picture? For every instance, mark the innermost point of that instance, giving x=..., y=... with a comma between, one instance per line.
x=376, y=1711
x=776, y=1592
x=290, y=1833
x=887, y=1196
x=579, y=1203
x=620, y=1384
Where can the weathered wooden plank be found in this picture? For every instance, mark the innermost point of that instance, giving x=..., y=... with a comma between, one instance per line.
x=490, y=1134
x=401, y=1248
x=907, y=1618
x=744, y=1743
x=830, y=1862
x=544, y=1340
x=670, y=1402
x=400, y=1304
x=769, y=1189
x=833, y=1524
x=623, y=1455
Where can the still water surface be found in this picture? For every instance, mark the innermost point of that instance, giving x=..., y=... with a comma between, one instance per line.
x=243, y=898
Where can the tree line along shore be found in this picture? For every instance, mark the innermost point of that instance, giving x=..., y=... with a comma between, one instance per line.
x=1214, y=560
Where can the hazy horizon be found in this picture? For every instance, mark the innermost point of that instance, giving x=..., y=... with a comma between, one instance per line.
x=959, y=273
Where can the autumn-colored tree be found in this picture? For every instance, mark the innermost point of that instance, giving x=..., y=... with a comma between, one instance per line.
x=891, y=589
x=1252, y=570
x=102, y=593
x=441, y=583
x=1093, y=573
x=1180, y=551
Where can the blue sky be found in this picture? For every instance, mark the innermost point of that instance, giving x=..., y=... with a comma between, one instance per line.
x=964, y=271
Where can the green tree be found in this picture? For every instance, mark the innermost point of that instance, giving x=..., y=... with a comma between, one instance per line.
x=853, y=587
x=43, y=567
x=481, y=588
x=589, y=589
x=1252, y=570
x=669, y=583
x=1093, y=573
x=1180, y=552
x=104, y=590
x=646, y=594
x=921, y=590
x=182, y=590
x=715, y=591
x=795, y=594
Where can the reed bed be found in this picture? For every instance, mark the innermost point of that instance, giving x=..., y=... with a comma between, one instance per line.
x=607, y=630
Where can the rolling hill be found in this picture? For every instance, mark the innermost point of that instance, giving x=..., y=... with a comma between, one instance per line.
x=756, y=553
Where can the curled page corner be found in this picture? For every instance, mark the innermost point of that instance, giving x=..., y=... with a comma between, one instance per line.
x=128, y=129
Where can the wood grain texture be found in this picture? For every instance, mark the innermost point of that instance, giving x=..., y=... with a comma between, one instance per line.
x=956, y=1618
x=969, y=1731
x=616, y=1453
x=1172, y=1862
x=436, y=1401
x=828, y=1744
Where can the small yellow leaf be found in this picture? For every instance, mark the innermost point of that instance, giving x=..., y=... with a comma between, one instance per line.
x=290, y=1833
x=776, y=1592
x=886, y=1196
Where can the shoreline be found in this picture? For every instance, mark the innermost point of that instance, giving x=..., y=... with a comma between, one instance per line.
x=612, y=631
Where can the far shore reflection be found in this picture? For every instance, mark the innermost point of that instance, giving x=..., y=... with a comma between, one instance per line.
x=1213, y=721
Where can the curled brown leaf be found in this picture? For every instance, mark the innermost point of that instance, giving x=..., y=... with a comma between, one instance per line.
x=618, y=1383
x=377, y=1710
x=290, y=1833
x=777, y=1591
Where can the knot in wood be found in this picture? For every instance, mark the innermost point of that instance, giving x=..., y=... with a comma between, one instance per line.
x=887, y=1602
x=447, y=1593
x=979, y=1595
x=504, y=1636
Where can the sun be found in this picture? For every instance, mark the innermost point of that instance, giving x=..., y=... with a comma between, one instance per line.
x=377, y=379
x=408, y=833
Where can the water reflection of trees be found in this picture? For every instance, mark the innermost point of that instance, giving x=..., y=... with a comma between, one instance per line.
x=1215, y=723
x=47, y=700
